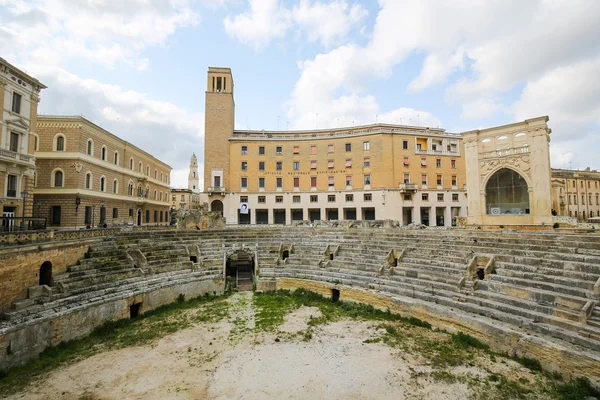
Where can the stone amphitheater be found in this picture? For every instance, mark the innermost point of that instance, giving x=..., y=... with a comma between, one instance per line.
x=532, y=294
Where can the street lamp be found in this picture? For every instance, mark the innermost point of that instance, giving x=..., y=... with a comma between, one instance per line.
x=102, y=214
x=24, y=194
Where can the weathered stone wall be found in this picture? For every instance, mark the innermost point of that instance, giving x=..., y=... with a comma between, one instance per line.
x=20, y=266
x=22, y=343
x=569, y=361
x=200, y=219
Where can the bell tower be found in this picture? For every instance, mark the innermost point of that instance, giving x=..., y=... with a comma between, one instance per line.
x=193, y=178
x=219, y=125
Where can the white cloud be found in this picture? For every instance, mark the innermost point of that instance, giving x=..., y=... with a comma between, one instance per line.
x=265, y=21
x=268, y=20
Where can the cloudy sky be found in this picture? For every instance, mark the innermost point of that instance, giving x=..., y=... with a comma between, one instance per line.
x=138, y=67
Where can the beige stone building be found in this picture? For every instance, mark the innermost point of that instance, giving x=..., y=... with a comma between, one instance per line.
x=89, y=177
x=508, y=174
x=379, y=171
x=184, y=200
x=19, y=97
x=576, y=193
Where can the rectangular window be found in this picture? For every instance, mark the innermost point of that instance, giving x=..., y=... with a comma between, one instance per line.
x=11, y=186
x=313, y=181
x=278, y=199
x=452, y=163
x=217, y=181
x=424, y=179
x=454, y=180
x=405, y=145
x=87, y=216
x=261, y=182
x=261, y=165
x=296, y=182
x=407, y=196
x=425, y=196
x=14, y=142
x=367, y=197
x=423, y=162
x=406, y=178
x=331, y=181
x=296, y=149
x=183, y=196
x=330, y=164
x=174, y=198
x=261, y=150
x=440, y=196
x=349, y=163
x=597, y=200
x=243, y=199
x=16, y=103
x=406, y=161
x=279, y=183
x=244, y=182
x=296, y=165
x=439, y=180
x=313, y=164
x=244, y=165
x=367, y=162
x=349, y=180
x=348, y=147
x=367, y=180
x=314, y=198
x=115, y=213
x=366, y=145
x=582, y=200
x=278, y=165
x=331, y=198
x=438, y=163
x=131, y=212
x=296, y=199
x=244, y=149
x=313, y=149
x=279, y=150
x=330, y=148
x=349, y=197
x=454, y=196
x=262, y=199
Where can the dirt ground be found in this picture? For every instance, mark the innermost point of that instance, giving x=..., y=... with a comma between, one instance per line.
x=230, y=360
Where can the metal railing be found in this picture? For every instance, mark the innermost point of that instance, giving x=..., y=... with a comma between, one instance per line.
x=13, y=224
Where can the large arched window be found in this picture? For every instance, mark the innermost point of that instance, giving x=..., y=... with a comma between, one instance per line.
x=59, y=142
x=116, y=158
x=57, y=178
x=88, y=180
x=506, y=193
x=115, y=186
x=103, y=153
x=90, y=147
x=102, y=184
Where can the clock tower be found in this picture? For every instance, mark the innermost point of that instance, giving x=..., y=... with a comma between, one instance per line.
x=219, y=124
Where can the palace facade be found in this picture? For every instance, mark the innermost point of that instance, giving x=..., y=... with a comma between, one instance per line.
x=19, y=97
x=88, y=177
x=576, y=193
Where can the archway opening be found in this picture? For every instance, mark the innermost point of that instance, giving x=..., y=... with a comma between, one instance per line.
x=285, y=254
x=134, y=310
x=506, y=193
x=217, y=206
x=139, y=217
x=335, y=295
x=46, y=274
x=239, y=269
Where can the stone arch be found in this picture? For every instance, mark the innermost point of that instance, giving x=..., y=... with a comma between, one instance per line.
x=46, y=273
x=57, y=177
x=507, y=192
x=216, y=206
x=59, y=142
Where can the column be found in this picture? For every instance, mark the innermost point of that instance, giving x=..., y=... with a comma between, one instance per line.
x=416, y=215
x=448, y=216
x=432, y=215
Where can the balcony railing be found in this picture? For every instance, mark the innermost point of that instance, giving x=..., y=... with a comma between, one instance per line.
x=16, y=157
x=216, y=189
x=511, y=151
x=11, y=224
x=438, y=152
x=408, y=187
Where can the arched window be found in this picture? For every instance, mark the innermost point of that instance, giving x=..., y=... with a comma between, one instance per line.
x=160, y=196
x=90, y=147
x=506, y=193
x=88, y=180
x=102, y=184
x=130, y=188
x=155, y=195
x=116, y=158
x=140, y=167
x=155, y=174
x=103, y=153
x=115, y=186
x=57, y=178
x=161, y=176
x=59, y=142
x=147, y=170
x=36, y=143
x=131, y=163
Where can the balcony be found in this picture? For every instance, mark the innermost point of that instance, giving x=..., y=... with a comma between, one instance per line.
x=17, y=158
x=213, y=189
x=438, y=152
x=511, y=151
x=408, y=187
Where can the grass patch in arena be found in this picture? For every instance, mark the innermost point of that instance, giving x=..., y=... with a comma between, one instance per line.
x=113, y=335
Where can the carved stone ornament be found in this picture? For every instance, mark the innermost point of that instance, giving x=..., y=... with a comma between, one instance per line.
x=519, y=162
x=78, y=166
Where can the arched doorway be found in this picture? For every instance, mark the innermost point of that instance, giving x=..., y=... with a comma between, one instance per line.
x=506, y=192
x=46, y=274
x=239, y=268
x=139, y=217
x=217, y=206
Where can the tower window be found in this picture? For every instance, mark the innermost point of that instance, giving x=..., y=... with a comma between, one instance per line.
x=219, y=84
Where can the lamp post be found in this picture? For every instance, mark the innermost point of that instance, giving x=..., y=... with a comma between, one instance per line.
x=24, y=194
x=102, y=214
x=77, y=203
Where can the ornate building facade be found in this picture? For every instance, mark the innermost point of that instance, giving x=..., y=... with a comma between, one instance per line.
x=19, y=97
x=89, y=177
x=576, y=193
